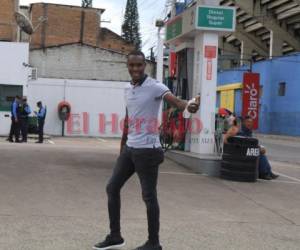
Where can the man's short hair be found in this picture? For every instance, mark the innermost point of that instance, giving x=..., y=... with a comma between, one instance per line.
x=39, y=103
x=137, y=53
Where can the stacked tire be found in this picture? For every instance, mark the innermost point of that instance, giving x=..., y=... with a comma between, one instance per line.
x=240, y=159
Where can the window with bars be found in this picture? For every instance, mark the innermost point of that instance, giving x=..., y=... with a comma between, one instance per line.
x=282, y=89
x=7, y=95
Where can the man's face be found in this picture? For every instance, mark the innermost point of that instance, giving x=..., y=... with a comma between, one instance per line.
x=248, y=124
x=136, y=67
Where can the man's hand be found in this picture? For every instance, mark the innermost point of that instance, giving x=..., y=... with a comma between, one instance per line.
x=121, y=148
x=193, y=106
x=263, y=150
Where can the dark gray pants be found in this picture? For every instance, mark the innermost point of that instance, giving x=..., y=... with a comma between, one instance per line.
x=14, y=130
x=41, y=124
x=145, y=163
x=24, y=128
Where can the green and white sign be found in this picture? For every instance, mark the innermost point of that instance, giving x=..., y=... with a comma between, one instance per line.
x=216, y=18
x=200, y=18
x=174, y=28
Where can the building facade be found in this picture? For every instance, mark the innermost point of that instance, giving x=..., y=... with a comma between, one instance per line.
x=97, y=107
x=82, y=62
x=65, y=24
x=13, y=78
x=91, y=79
x=57, y=24
x=279, y=97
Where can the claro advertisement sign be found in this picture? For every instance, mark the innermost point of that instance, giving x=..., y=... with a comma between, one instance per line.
x=251, y=97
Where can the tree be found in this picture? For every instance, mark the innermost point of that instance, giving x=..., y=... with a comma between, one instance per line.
x=87, y=3
x=131, y=24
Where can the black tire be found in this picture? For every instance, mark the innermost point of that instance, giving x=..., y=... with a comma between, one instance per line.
x=243, y=141
x=238, y=158
x=248, y=167
x=238, y=176
x=233, y=149
x=237, y=150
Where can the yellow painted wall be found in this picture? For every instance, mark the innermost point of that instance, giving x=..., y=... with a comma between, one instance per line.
x=227, y=99
x=227, y=95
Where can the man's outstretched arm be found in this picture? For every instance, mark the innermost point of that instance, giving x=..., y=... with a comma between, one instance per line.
x=191, y=106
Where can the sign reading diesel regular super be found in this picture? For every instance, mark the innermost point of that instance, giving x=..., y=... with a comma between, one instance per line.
x=201, y=17
x=215, y=18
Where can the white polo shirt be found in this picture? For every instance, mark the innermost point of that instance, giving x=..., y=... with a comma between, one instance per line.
x=143, y=103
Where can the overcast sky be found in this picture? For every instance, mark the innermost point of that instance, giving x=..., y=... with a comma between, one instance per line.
x=149, y=11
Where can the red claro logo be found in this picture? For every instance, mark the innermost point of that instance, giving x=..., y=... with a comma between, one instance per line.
x=253, y=100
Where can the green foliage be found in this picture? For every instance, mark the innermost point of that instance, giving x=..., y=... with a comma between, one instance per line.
x=87, y=3
x=131, y=25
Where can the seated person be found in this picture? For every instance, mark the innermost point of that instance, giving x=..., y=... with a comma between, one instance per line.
x=265, y=171
x=232, y=131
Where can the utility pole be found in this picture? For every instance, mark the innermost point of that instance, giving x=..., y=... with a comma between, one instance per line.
x=152, y=59
x=160, y=51
x=173, y=11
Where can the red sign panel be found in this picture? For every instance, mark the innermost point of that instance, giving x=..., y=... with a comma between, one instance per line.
x=209, y=69
x=210, y=52
x=251, y=97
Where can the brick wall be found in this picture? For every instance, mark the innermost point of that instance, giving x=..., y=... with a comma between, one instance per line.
x=65, y=24
x=8, y=27
x=72, y=24
x=111, y=40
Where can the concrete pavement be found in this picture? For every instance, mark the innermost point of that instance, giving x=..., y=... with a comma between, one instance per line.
x=282, y=149
x=53, y=197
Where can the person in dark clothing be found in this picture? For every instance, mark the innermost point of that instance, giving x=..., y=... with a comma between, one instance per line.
x=41, y=115
x=15, y=123
x=24, y=119
x=265, y=170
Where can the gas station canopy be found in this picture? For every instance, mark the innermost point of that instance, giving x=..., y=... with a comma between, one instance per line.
x=200, y=18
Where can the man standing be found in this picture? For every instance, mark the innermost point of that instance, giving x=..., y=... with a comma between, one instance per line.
x=15, y=125
x=25, y=112
x=141, y=151
x=41, y=115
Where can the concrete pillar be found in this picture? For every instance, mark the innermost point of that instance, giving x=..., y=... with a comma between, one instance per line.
x=205, y=84
x=246, y=53
x=276, y=43
x=160, y=56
